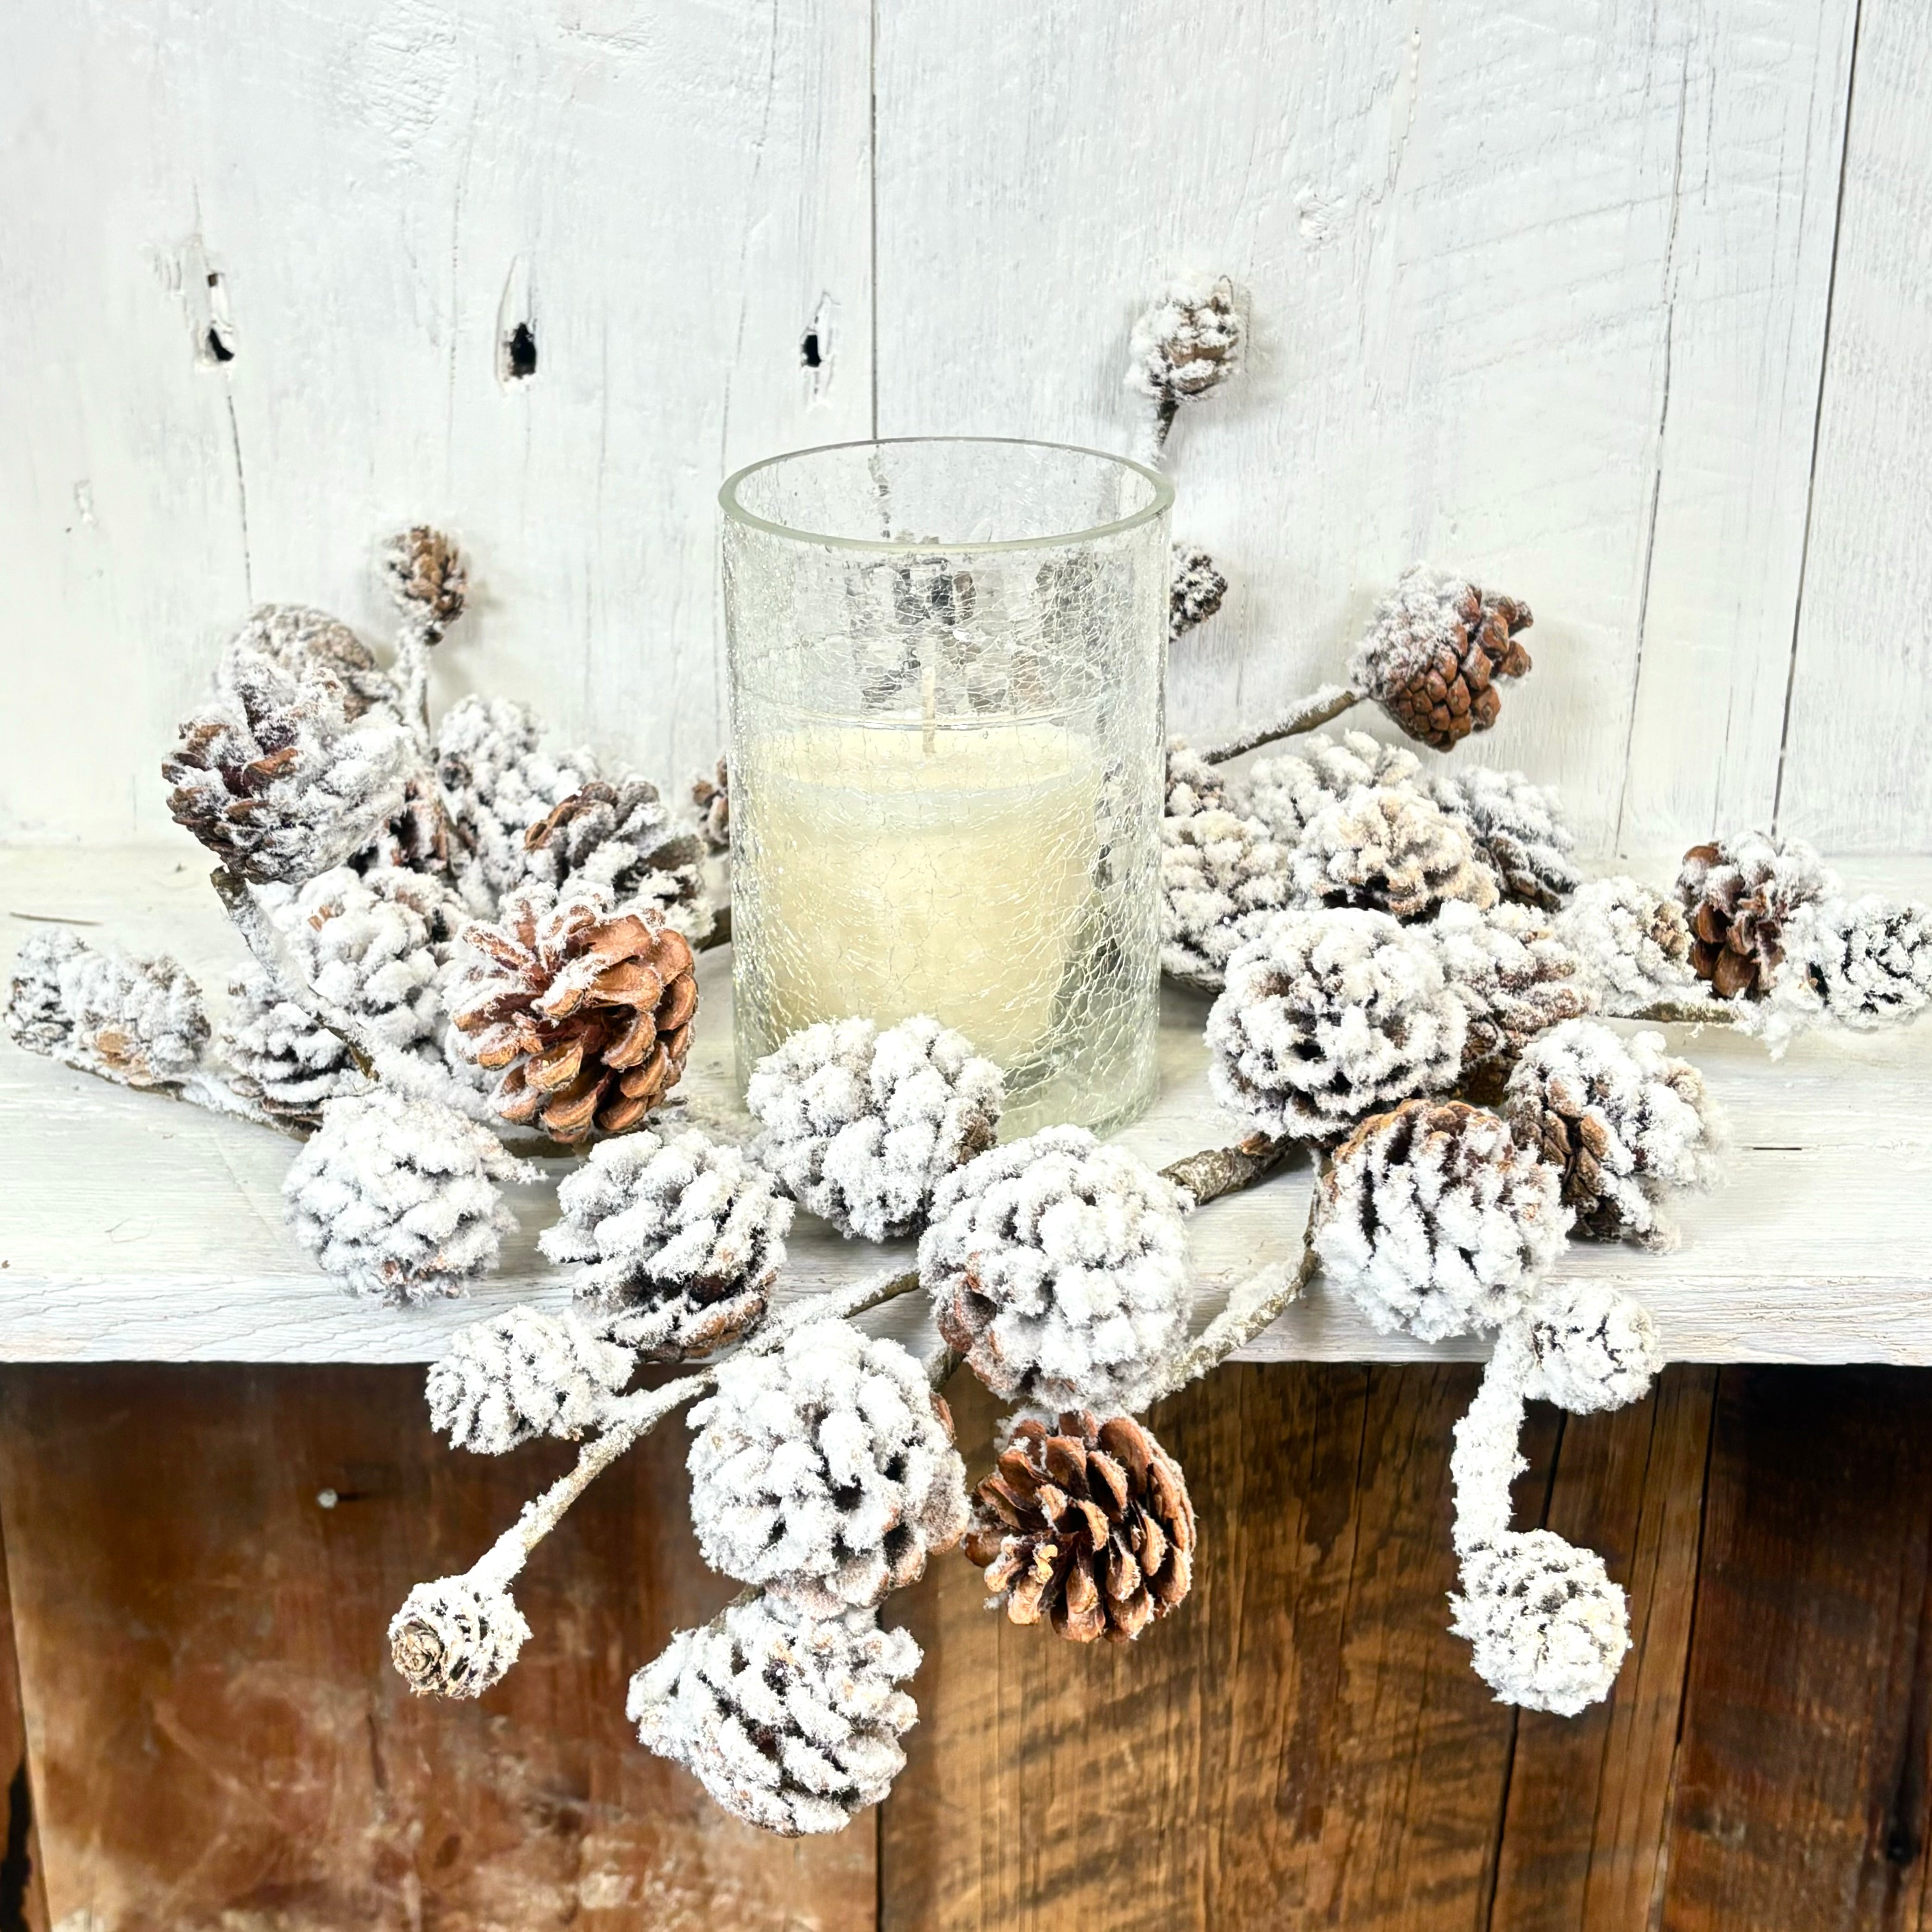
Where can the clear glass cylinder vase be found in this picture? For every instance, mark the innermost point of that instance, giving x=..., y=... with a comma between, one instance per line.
x=947, y=663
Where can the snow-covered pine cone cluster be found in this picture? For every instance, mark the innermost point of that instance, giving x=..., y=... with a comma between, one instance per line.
x=278, y=1054
x=1514, y=975
x=860, y=1126
x=1517, y=830
x=1288, y=790
x=791, y=1721
x=139, y=1021
x=824, y=1469
x=1633, y=944
x=1739, y=895
x=1058, y=1268
x=1859, y=963
x=1391, y=850
x=674, y=1241
x=618, y=839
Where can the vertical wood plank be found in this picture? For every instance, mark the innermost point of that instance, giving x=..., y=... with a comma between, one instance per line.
x=1858, y=775
x=220, y=1739
x=1583, y=1838
x=1303, y=1743
x=667, y=197
x=23, y=1893
x=1801, y=1798
x=1523, y=281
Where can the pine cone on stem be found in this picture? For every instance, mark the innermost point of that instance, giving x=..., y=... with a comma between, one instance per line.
x=584, y=1008
x=1858, y=963
x=1515, y=976
x=618, y=838
x=1195, y=593
x=1187, y=342
x=520, y=1375
x=1288, y=792
x=295, y=636
x=1518, y=832
x=712, y=798
x=137, y=1021
x=282, y=1058
x=1388, y=848
x=1089, y=1525
x=453, y=1640
x=1633, y=944
x=1737, y=894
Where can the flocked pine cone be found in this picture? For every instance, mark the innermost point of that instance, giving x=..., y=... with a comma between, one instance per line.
x=1512, y=972
x=294, y=637
x=1518, y=831
x=712, y=798
x=139, y=1021
x=1088, y=1523
x=675, y=1241
x=584, y=1008
x=520, y=1375
x=1633, y=944
x=1547, y=1626
x=1188, y=342
x=1435, y=1223
x=427, y=578
x=452, y=1639
x=1861, y=963
x=1192, y=784
x=824, y=1469
x=1330, y=1016
x=274, y=779
x=1592, y=1347
x=860, y=1126
x=1737, y=894
x=1433, y=652
x=619, y=838
x=790, y=1721
x=1058, y=1268
x=1390, y=849
x=1196, y=592
x=497, y=780
x=1624, y=1123
x=1292, y=789
x=1221, y=878
x=278, y=1054
x=399, y=1199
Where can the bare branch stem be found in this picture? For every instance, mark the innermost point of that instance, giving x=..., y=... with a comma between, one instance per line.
x=1306, y=714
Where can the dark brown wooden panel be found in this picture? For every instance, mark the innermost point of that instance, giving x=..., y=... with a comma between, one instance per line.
x=221, y=1740
x=23, y=1901
x=1801, y=1802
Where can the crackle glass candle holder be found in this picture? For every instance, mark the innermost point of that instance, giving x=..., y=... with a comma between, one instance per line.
x=946, y=661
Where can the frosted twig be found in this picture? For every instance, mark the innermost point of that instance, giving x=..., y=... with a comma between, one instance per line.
x=1215, y=1171
x=1487, y=1458
x=1690, y=1012
x=1310, y=713
x=839, y=1306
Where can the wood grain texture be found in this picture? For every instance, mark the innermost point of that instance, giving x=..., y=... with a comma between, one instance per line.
x=667, y=197
x=23, y=1892
x=219, y=1741
x=1814, y=1250
x=1801, y=1785
x=1858, y=774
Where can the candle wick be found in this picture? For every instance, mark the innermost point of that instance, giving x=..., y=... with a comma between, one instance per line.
x=929, y=702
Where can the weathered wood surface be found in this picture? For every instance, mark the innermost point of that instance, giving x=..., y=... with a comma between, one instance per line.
x=217, y=1742
x=1817, y=1249
x=23, y=1897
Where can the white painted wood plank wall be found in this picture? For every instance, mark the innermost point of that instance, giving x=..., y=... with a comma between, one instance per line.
x=1624, y=306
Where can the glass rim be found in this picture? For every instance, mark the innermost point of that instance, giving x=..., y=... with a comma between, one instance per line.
x=1163, y=501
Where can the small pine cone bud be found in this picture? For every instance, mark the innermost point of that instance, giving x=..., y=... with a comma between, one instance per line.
x=1193, y=784
x=137, y=1020
x=1329, y=1017
x=1435, y=1223
x=452, y=1639
x=1518, y=831
x=275, y=780
x=618, y=839
x=1737, y=894
x=294, y=637
x=1512, y=972
x=861, y=1125
x=427, y=577
x=1058, y=1268
x=1089, y=1523
x=1433, y=651
x=1548, y=1628
x=585, y=1009
x=1592, y=1347
x=399, y=1198
x=1389, y=849
x=1622, y=1122
x=1188, y=342
x=825, y=1470
x=1862, y=963
x=1633, y=944
x=790, y=1721
x=1196, y=592
x=278, y=1054
x=1288, y=791
x=498, y=778
x=1221, y=879
x=712, y=798
x=520, y=1375
x=675, y=1241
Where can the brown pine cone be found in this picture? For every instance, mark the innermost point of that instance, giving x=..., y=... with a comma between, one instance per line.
x=1737, y=894
x=712, y=798
x=1434, y=651
x=1092, y=1526
x=428, y=577
x=585, y=1008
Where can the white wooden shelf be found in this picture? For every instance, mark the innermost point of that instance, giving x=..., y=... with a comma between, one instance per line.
x=132, y=1228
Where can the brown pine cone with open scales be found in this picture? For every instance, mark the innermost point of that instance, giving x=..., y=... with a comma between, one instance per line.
x=586, y=1008
x=1737, y=893
x=1090, y=1524
x=1433, y=654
